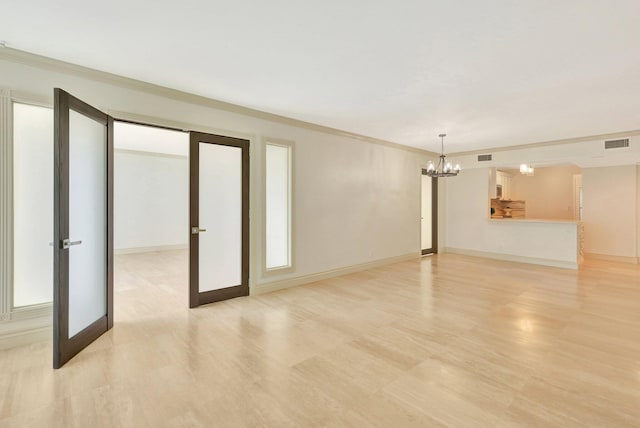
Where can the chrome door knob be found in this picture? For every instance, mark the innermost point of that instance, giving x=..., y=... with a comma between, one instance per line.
x=66, y=243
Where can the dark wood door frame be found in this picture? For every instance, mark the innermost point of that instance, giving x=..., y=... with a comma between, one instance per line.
x=196, y=298
x=64, y=348
x=434, y=215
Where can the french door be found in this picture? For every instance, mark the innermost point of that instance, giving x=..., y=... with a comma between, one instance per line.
x=83, y=226
x=219, y=218
x=429, y=214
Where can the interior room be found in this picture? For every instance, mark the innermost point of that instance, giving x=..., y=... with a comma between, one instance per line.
x=330, y=214
x=151, y=219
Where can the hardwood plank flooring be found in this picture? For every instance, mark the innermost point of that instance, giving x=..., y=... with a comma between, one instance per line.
x=446, y=340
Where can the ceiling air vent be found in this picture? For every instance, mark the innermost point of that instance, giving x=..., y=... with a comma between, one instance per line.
x=616, y=144
x=484, y=158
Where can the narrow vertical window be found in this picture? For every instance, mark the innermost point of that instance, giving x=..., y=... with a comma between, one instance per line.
x=278, y=157
x=32, y=205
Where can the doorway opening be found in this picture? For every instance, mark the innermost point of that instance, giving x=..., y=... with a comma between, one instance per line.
x=151, y=220
x=429, y=214
x=577, y=197
x=125, y=195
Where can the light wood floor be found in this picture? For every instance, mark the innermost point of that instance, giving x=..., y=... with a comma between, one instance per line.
x=442, y=341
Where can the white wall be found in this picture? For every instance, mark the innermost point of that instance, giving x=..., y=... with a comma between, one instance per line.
x=151, y=200
x=588, y=152
x=548, y=193
x=469, y=229
x=611, y=206
x=609, y=211
x=354, y=201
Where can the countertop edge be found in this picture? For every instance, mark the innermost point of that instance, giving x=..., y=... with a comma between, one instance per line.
x=532, y=220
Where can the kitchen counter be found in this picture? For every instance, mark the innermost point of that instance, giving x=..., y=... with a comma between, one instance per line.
x=530, y=240
x=531, y=220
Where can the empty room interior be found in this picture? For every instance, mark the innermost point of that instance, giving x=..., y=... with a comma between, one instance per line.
x=338, y=214
x=151, y=215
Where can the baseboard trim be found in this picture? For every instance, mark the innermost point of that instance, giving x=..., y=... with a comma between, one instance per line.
x=26, y=337
x=513, y=258
x=135, y=250
x=33, y=311
x=306, y=279
x=611, y=258
x=25, y=332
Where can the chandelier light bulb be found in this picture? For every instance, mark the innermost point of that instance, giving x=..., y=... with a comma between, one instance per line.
x=526, y=169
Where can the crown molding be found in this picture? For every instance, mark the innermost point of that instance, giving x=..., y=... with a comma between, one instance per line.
x=34, y=60
x=622, y=134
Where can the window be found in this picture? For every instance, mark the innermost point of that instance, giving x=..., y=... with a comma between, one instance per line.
x=32, y=205
x=277, y=207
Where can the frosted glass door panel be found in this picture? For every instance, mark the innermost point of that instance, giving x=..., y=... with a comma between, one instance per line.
x=220, y=213
x=87, y=222
x=277, y=206
x=427, y=237
x=32, y=205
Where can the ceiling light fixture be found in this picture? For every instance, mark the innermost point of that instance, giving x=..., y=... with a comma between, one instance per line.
x=526, y=169
x=444, y=168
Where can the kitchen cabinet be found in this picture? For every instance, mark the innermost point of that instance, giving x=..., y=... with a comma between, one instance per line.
x=503, y=179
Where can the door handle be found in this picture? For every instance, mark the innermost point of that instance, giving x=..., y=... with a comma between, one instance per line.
x=196, y=230
x=66, y=243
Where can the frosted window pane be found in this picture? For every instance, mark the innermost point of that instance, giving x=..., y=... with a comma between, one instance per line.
x=220, y=212
x=427, y=241
x=87, y=222
x=277, y=206
x=32, y=205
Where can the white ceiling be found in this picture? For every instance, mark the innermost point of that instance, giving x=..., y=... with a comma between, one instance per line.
x=488, y=73
x=128, y=136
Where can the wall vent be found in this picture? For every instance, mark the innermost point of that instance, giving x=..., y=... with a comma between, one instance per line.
x=616, y=144
x=485, y=158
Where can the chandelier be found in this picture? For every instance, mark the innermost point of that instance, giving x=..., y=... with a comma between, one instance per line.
x=444, y=168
